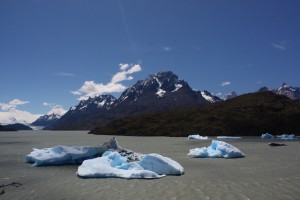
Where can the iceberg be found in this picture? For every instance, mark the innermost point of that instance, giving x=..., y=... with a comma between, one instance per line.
x=113, y=165
x=228, y=137
x=266, y=136
x=217, y=149
x=287, y=137
x=62, y=155
x=197, y=137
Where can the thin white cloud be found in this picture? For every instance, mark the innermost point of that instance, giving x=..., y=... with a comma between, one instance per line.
x=219, y=94
x=225, y=83
x=280, y=45
x=55, y=109
x=166, y=48
x=92, y=89
x=12, y=104
x=65, y=74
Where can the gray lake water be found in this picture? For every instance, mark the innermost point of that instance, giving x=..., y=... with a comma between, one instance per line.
x=265, y=173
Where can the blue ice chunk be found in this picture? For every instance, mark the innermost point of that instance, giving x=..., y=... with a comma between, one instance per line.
x=112, y=165
x=266, y=136
x=217, y=149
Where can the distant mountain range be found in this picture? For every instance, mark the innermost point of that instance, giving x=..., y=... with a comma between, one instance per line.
x=248, y=114
x=158, y=92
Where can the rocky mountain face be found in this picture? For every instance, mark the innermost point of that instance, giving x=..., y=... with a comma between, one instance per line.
x=289, y=91
x=158, y=92
x=46, y=120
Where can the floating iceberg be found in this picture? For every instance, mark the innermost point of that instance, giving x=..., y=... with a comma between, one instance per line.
x=62, y=155
x=113, y=165
x=228, y=137
x=287, y=137
x=217, y=149
x=266, y=136
x=197, y=137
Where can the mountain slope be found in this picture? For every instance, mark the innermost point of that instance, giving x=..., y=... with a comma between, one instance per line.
x=249, y=114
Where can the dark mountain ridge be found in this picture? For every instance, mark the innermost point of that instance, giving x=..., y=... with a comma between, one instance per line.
x=248, y=114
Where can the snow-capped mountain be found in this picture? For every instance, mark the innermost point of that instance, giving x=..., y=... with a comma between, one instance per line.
x=289, y=91
x=158, y=92
x=209, y=97
x=78, y=117
x=102, y=102
x=46, y=120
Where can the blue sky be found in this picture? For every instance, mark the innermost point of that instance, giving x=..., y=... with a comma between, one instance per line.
x=51, y=50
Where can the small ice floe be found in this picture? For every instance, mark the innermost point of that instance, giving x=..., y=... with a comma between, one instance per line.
x=63, y=155
x=287, y=137
x=266, y=136
x=113, y=165
x=228, y=137
x=197, y=137
x=217, y=149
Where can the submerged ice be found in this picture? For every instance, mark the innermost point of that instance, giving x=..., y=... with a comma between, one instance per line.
x=217, y=149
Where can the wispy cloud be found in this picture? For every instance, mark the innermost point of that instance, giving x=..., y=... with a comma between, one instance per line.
x=65, y=74
x=167, y=48
x=225, y=83
x=280, y=45
x=55, y=109
x=92, y=89
x=12, y=104
x=219, y=94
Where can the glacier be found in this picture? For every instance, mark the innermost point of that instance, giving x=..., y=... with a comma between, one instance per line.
x=217, y=149
x=197, y=137
x=113, y=165
x=266, y=136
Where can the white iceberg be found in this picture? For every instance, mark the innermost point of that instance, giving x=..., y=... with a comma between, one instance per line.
x=113, y=165
x=228, y=137
x=217, y=149
x=287, y=137
x=197, y=137
x=266, y=136
x=62, y=155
